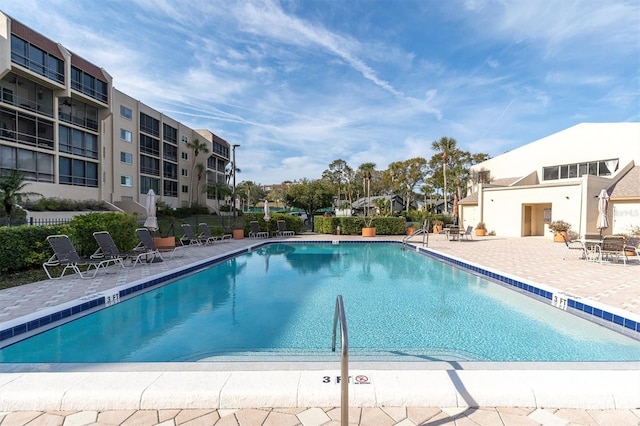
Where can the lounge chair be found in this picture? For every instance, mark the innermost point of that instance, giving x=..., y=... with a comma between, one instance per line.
x=468, y=233
x=107, y=249
x=147, y=243
x=573, y=245
x=282, y=230
x=255, y=231
x=64, y=254
x=206, y=232
x=613, y=246
x=190, y=239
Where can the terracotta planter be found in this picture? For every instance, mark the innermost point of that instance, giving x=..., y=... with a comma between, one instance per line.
x=437, y=229
x=557, y=236
x=368, y=232
x=238, y=234
x=481, y=232
x=164, y=242
x=411, y=230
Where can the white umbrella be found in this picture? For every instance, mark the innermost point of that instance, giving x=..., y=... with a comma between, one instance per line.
x=151, y=222
x=267, y=217
x=603, y=205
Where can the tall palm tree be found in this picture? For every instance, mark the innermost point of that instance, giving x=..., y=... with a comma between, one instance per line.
x=444, y=147
x=197, y=147
x=11, y=193
x=200, y=171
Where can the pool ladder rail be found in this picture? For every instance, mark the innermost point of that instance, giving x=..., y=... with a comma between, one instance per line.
x=339, y=316
x=424, y=231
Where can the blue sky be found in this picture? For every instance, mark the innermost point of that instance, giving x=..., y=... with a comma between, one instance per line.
x=301, y=83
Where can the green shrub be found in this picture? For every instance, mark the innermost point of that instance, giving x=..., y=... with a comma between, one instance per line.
x=352, y=225
x=121, y=226
x=23, y=247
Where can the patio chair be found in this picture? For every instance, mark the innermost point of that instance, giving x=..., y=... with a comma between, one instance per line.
x=64, y=254
x=573, y=245
x=190, y=239
x=146, y=243
x=282, y=230
x=206, y=232
x=613, y=246
x=467, y=233
x=255, y=231
x=453, y=233
x=107, y=249
x=632, y=248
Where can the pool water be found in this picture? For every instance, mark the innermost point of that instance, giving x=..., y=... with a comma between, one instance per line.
x=278, y=302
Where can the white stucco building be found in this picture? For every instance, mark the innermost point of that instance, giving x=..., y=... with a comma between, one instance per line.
x=559, y=177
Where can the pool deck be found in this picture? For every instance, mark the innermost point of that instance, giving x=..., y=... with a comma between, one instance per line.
x=429, y=393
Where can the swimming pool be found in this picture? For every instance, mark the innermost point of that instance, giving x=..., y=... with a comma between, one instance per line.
x=279, y=300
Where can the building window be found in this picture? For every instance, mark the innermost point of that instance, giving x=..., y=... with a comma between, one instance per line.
x=185, y=156
x=126, y=112
x=149, y=165
x=125, y=135
x=185, y=189
x=169, y=134
x=149, y=145
x=147, y=183
x=170, y=188
x=184, y=139
x=169, y=152
x=170, y=170
x=78, y=113
x=26, y=129
x=184, y=172
x=89, y=85
x=126, y=158
x=78, y=172
x=149, y=125
x=126, y=181
x=36, y=60
x=575, y=170
x=36, y=166
x=77, y=142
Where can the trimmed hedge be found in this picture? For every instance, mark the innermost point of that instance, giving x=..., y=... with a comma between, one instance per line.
x=353, y=225
x=121, y=226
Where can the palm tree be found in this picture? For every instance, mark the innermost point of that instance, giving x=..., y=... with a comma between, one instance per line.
x=197, y=147
x=200, y=170
x=444, y=147
x=11, y=194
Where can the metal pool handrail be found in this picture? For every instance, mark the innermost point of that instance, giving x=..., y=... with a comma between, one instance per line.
x=344, y=359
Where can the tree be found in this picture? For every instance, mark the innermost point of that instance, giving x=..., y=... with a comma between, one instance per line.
x=11, y=193
x=443, y=148
x=337, y=174
x=252, y=192
x=403, y=177
x=197, y=147
x=310, y=196
x=200, y=171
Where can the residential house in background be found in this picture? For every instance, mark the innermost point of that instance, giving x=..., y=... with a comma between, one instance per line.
x=559, y=177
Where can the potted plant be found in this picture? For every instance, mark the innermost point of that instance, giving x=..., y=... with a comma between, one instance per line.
x=481, y=229
x=368, y=230
x=237, y=228
x=560, y=230
x=437, y=226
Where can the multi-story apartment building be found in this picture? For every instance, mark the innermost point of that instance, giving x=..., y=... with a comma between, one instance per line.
x=73, y=135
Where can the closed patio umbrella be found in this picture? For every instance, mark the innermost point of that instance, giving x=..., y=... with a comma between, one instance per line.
x=267, y=216
x=455, y=208
x=151, y=222
x=603, y=205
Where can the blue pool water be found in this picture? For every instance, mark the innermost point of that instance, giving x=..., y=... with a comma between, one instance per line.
x=279, y=301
